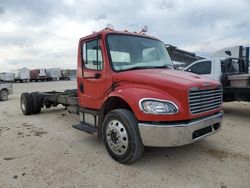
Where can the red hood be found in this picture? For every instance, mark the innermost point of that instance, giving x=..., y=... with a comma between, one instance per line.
x=164, y=78
x=169, y=84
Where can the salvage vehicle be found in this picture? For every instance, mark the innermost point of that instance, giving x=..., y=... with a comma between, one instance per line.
x=242, y=52
x=130, y=94
x=231, y=72
x=5, y=90
x=22, y=75
x=7, y=76
x=65, y=74
x=38, y=75
x=53, y=74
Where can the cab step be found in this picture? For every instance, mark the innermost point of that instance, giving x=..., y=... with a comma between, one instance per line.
x=85, y=127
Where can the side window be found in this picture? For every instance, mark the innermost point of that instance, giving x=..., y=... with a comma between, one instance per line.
x=203, y=67
x=92, y=55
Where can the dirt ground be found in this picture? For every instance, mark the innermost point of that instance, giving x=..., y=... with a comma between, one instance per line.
x=45, y=151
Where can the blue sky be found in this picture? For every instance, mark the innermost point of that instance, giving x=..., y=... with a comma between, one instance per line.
x=45, y=33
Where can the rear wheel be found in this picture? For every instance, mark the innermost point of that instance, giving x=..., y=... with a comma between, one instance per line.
x=37, y=103
x=121, y=136
x=26, y=104
x=4, y=95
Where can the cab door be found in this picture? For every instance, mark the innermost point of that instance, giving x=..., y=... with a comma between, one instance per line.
x=92, y=85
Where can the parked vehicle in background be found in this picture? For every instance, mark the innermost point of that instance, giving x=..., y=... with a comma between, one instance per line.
x=5, y=90
x=73, y=74
x=178, y=65
x=231, y=72
x=65, y=74
x=242, y=52
x=129, y=93
x=7, y=77
x=53, y=73
x=38, y=74
x=21, y=75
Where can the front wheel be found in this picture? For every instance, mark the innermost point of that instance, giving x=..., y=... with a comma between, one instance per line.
x=121, y=136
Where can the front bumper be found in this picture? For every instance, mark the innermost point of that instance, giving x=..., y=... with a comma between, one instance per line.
x=178, y=134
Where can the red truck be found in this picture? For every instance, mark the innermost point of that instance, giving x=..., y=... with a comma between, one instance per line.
x=130, y=94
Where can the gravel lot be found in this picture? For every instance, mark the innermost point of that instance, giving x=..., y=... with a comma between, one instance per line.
x=45, y=151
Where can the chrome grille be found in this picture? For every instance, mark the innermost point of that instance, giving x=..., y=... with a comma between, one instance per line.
x=204, y=100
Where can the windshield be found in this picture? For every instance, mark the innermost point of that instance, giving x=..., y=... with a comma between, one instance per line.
x=129, y=52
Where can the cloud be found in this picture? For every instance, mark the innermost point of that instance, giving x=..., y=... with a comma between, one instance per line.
x=45, y=33
x=101, y=17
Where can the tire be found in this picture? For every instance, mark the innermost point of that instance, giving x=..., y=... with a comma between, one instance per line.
x=26, y=103
x=37, y=103
x=4, y=94
x=121, y=136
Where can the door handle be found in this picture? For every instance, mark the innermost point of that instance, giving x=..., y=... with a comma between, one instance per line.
x=81, y=87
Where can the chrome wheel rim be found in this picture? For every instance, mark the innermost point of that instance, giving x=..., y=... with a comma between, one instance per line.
x=117, y=137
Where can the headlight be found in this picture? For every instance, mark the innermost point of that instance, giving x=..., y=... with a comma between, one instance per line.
x=155, y=106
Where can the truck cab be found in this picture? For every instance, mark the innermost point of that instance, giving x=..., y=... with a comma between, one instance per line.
x=130, y=94
x=128, y=81
x=210, y=68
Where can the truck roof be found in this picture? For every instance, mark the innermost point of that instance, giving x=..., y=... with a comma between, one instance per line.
x=106, y=31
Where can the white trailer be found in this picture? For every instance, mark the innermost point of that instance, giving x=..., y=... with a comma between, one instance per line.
x=53, y=73
x=22, y=75
x=7, y=77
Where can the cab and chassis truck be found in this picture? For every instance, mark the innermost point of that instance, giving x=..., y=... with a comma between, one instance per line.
x=129, y=93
